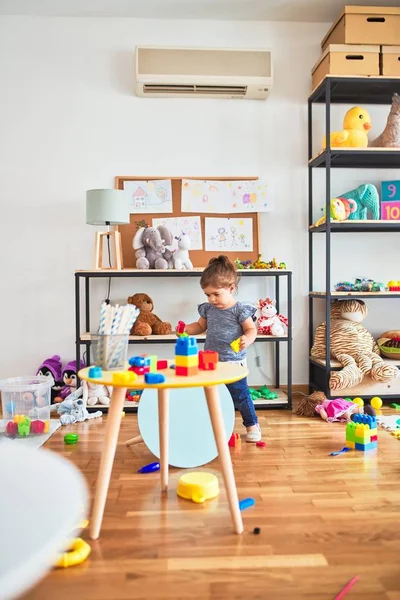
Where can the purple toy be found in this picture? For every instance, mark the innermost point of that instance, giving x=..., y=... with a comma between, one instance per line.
x=51, y=367
x=69, y=377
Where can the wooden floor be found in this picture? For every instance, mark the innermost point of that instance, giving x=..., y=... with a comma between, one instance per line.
x=323, y=519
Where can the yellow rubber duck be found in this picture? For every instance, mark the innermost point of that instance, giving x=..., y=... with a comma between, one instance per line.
x=356, y=125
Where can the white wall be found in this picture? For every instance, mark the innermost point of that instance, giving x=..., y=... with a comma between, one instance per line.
x=69, y=122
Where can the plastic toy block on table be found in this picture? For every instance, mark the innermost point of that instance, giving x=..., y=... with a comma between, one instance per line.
x=186, y=357
x=208, y=360
x=186, y=346
x=362, y=433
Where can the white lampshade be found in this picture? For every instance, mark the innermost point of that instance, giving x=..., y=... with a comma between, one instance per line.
x=107, y=207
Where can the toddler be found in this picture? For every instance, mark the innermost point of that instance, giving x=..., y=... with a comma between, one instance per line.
x=224, y=319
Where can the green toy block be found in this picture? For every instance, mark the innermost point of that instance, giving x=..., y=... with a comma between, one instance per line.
x=153, y=363
x=351, y=432
x=24, y=427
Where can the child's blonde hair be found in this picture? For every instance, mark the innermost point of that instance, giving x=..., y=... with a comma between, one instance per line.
x=220, y=273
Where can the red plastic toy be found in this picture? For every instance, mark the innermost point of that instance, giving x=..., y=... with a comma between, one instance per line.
x=261, y=444
x=180, y=328
x=37, y=426
x=233, y=440
x=140, y=370
x=12, y=428
x=208, y=360
x=162, y=364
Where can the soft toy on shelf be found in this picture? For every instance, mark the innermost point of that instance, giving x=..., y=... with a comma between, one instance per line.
x=356, y=125
x=181, y=256
x=366, y=197
x=270, y=323
x=390, y=136
x=147, y=322
x=340, y=210
x=73, y=409
x=96, y=393
x=69, y=378
x=353, y=346
x=51, y=368
x=150, y=244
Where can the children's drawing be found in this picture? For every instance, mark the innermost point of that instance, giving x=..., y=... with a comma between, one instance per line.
x=229, y=235
x=225, y=196
x=188, y=225
x=150, y=196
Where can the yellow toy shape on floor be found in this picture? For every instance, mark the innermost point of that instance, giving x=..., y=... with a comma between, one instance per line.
x=356, y=125
x=198, y=486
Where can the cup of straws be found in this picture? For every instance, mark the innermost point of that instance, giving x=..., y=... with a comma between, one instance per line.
x=110, y=343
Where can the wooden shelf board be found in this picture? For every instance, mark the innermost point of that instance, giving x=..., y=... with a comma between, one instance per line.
x=183, y=272
x=336, y=364
x=86, y=337
x=357, y=294
x=281, y=399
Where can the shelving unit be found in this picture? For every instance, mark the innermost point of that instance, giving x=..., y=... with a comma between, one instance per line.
x=356, y=91
x=83, y=337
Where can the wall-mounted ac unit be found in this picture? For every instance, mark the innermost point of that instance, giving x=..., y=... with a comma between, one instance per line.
x=203, y=72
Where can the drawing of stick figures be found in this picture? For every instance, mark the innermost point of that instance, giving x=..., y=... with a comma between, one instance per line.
x=222, y=237
x=242, y=239
x=233, y=234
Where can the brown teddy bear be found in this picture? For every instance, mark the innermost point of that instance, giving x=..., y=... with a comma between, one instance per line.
x=147, y=322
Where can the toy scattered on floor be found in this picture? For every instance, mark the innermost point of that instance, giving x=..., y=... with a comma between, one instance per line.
x=208, y=360
x=52, y=368
x=358, y=401
x=354, y=134
x=340, y=210
x=259, y=264
x=353, y=346
x=73, y=409
x=154, y=378
x=181, y=256
x=147, y=322
x=396, y=406
x=261, y=444
x=361, y=284
x=233, y=440
x=263, y=393
x=246, y=503
x=366, y=196
x=186, y=357
x=347, y=588
x=270, y=322
x=75, y=555
x=150, y=244
x=362, y=433
x=71, y=439
x=257, y=530
x=390, y=136
x=198, y=486
x=342, y=451
x=389, y=344
x=151, y=468
x=393, y=286
x=376, y=402
x=235, y=345
x=96, y=393
x=337, y=409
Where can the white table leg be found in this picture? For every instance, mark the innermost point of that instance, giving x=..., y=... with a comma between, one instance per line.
x=217, y=422
x=107, y=460
x=163, y=425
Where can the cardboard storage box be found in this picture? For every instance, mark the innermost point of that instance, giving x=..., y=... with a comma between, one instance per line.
x=365, y=25
x=345, y=59
x=391, y=61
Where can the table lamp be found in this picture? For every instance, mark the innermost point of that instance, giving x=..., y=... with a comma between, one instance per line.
x=107, y=207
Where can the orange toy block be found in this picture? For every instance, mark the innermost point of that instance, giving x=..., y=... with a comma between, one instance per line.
x=186, y=371
x=234, y=440
x=208, y=360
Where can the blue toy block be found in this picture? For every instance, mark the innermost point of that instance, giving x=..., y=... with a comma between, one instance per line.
x=137, y=361
x=391, y=191
x=365, y=447
x=365, y=420
x=186, y=346
x=154, y=378
x=95, y=372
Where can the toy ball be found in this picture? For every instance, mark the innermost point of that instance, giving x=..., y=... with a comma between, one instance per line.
x=71, y=438
x=348, y=399
x=376, y=403
x=358, y=401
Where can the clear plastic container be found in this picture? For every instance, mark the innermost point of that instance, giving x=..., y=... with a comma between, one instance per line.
x=26, y=405
x=110, y=351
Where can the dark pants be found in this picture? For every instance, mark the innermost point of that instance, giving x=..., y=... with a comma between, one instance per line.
x=242, y=401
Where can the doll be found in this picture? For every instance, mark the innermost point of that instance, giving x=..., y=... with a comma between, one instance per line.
x=70, y=378
x=51, y=368
x=337, y=409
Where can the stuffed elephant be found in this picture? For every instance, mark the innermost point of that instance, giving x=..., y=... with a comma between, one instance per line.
x=150, y=244
x=73, y=409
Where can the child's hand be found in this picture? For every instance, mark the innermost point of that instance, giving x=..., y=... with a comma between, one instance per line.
x=244, y=342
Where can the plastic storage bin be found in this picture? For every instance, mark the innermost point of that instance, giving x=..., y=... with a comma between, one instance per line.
x=26, y=405
x=110, y=351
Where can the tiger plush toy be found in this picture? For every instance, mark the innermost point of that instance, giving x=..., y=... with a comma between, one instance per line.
x=352, y=345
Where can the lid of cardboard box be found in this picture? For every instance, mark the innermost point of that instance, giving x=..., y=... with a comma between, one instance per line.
x=348, y=49
x=363, y=10
x=390, y=49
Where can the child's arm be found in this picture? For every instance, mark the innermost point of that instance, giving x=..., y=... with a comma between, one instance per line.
x=249, y=333
x=197, y=327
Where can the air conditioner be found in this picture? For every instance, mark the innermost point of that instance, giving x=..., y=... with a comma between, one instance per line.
x=203, y=72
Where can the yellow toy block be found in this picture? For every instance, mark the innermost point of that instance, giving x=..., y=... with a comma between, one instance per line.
x=373, y=432
x=19, y=418
x=123, y=378
x=350, y=445
x=235, y=345
x=46, y=426
x=187, y=361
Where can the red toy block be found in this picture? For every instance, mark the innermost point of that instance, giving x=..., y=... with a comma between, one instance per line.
x=180, y=328
x=233, y=440
x=261, y=444
x=374, y=438
x=186, y=371
x=12, y=428
x=140, y=370
x=162, y=364
x=208, y=360
x=37, y=426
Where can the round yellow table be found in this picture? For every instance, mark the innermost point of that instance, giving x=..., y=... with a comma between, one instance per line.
x=209, y=380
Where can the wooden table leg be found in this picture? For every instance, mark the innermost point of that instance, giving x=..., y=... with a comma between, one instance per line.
x=163, y=425
x=217, y=422
x=135, y=440
x=107, y=459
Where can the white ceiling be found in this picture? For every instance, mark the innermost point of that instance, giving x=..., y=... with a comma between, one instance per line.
x=234, y=10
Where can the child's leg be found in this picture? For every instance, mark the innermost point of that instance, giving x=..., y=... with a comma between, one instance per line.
x=242, y=401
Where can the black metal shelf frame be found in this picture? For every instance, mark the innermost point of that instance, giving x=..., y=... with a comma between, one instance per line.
x=276, y=274
x=335, y=90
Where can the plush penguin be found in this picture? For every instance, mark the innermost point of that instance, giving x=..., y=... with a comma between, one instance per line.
x=51, y=368
x=70, y=377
